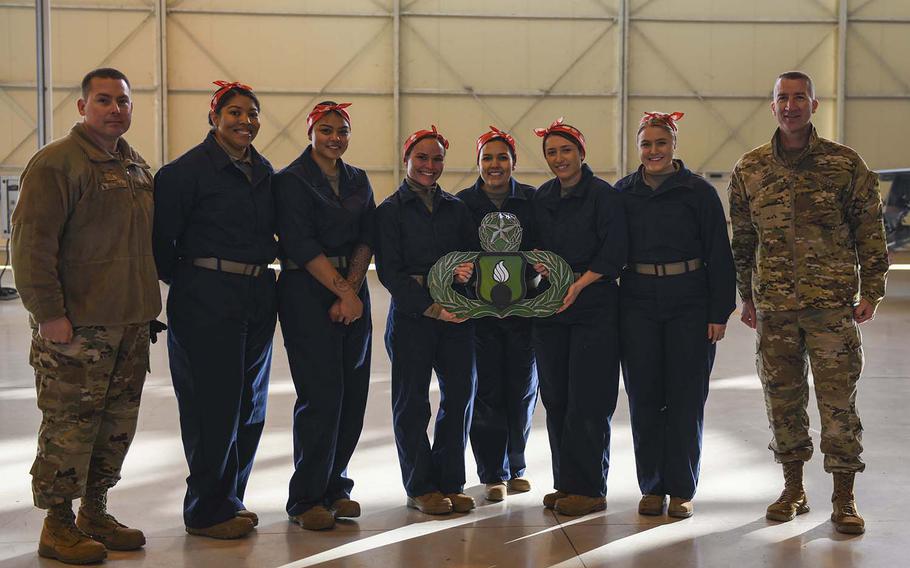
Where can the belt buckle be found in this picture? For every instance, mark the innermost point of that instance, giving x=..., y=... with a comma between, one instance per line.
x=660, y=269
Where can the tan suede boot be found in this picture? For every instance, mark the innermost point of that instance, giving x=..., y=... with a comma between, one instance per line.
x=461, y=503
x=550, y=499
x=236, y=527
x=495, y=491
x=61, y=539
x=95, y=521
x=345, y=508
x=792, y=500
x=578, y=505
x=845, y=517
x=316, y=518
x=433, y=503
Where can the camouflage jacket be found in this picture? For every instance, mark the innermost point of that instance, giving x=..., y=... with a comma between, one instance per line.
x=82, y=235
x=807, y=233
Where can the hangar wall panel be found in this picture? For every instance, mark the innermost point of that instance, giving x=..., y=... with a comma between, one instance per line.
x=463, y=65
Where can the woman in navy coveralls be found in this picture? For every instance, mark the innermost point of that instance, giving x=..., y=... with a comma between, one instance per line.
x=506, y=374
x=214, y=237
x=579, y=217
x=677, y=292
x=325, y=211
x=417, y=225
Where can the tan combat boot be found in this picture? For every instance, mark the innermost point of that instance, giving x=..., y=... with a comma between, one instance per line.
x=95, y=521
x=845, y=517
x=433, y=503
x=495, y=491
x=345, y=508
x=550, y=499
x=578, y=505
x=316, y=518
x=461, y=503
x=61, y=539
x=792, y=500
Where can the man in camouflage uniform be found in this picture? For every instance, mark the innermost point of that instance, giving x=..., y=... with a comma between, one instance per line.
x=809, y=246
x=82, y=256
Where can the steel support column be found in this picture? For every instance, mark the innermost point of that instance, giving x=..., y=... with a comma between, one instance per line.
x=622, y=103
x=841, y=71
x=396, y=89
x=162, y=91
x=45, y=127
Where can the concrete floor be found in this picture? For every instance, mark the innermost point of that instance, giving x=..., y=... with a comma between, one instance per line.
x=739, y=479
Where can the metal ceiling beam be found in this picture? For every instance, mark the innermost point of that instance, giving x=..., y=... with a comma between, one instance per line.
x=69, y=94
x=540, y=98
x=496, y=118
x=764, y=104
x=276, y=13
x=500, y=16
x=736, y=21
x=305, y=108
x=80, y=7
x=226, y=73
x=894, y=73
x=666, y=60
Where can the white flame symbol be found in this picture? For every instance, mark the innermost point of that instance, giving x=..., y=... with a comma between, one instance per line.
x=500, y=272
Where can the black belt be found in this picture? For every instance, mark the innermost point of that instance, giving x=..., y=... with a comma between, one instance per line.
x=667, y=269
x=339, y=262
x=222, y=265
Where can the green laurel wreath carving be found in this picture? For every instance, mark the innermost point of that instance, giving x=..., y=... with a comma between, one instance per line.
x=439, y=281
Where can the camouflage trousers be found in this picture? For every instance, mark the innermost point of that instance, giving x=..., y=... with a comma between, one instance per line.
x=829, y=341
x=88, y=393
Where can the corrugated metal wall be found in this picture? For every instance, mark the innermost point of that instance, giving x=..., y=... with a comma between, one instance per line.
x=466, y=64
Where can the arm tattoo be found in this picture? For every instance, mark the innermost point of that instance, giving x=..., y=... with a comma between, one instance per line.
x=340, y=284
x=359, y=263
x=433, y=311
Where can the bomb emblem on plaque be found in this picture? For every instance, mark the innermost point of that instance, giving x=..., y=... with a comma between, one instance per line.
x=501, y=273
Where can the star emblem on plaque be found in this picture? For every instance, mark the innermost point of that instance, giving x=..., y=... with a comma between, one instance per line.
x=500, y=282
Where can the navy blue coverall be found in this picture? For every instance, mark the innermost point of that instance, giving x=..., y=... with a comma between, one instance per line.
x=330, y=362
x=220, y=323
x=506, y=373
x=666, y=355
x=410, y=239
x=578, y=350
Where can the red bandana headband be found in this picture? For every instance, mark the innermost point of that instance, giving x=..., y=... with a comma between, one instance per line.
x=668, y=119
x=421, y=134
x=558, y=126
x=321, y=110
x=497, y=134
x=224, y=87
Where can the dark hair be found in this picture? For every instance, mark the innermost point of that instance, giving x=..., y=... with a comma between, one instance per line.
x=102, y=73
x=795, y=76
x=501, y=139
x=424, y=137
x=565, y=135
x=228, y=96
